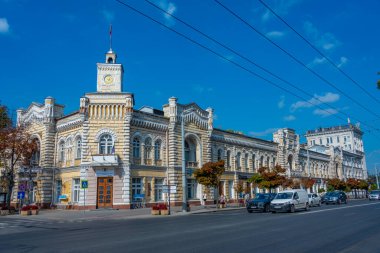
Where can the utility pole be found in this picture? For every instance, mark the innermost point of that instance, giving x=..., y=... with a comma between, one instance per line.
x=377, y=176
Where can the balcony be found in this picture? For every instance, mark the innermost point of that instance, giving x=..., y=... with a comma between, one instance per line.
x=191, y=164
x=137, y=160
x=105, y=160
x=148, y=161
x=158, y=162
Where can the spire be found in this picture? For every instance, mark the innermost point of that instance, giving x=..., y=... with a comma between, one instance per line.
x=110, y=38
x=110, y=55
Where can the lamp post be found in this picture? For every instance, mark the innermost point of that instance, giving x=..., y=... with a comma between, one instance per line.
x=184, y=183
x=377, y=176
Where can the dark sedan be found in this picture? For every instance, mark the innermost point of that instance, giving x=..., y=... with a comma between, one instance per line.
x=261, y=202
x=336, y=197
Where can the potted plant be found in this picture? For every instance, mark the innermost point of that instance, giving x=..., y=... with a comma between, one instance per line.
x=4, y=211
x=155, y=210
x=163, y=209
x=34, y=209
x=25, y=210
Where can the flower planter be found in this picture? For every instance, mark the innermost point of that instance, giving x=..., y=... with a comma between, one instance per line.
x=155, y=212
x=34, y=212
x=4, y=212
x=165, y=212
x=25, y=213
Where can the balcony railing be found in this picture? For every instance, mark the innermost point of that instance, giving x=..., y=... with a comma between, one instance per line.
x=158, y=162
x=148, y=161
x=137, y=161
x=191, y=164
x=105, y=160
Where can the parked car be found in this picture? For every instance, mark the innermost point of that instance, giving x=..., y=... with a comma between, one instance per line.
x=336, y=197
x=290, y=201
x=261, y=202
x=374, y=195
x=323, y=196
x=314, y=199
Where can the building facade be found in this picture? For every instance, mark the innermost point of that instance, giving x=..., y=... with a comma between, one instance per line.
x=129, y=155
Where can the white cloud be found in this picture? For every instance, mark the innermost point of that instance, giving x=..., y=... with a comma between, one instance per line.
x=108, y=15
x=326, y=112
x=343, y=61
x=264, y=133
x=281, y=103
x=316, y=61
x=266, y=15
x=326, y=41
x=4, y=26
x=170, y=8
x=281, y=7
x=275, y=34
x=289, y=118
x=329, y=97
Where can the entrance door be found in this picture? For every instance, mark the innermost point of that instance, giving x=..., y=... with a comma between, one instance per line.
x=105, y=186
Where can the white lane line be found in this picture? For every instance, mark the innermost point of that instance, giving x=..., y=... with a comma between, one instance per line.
x=332, y=209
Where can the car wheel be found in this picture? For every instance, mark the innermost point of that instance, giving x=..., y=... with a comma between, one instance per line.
x=266, y=209
x=292, y=209
x=319, y=203
x=345, y=202
x=273, y=211
x=339, y=202
x=249, y=211
x=307, y=208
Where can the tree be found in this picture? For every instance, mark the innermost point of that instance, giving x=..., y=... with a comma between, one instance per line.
x=307, y=183
x=16, y=149
x=210, y=173
x=272, y=179
x=5, y=121
x=255, y=180
x=353, y=184
x=239, y=188
x=336, y=184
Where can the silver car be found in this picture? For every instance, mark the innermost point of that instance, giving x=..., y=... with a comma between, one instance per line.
x=314, y=199
x=374, y=195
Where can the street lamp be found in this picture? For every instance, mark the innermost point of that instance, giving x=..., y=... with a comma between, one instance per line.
x=184, y=183
x=377, y=176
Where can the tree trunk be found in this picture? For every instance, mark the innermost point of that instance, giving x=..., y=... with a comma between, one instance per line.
x=10, y=189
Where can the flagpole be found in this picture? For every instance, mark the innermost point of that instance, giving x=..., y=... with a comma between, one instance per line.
x=111, y=37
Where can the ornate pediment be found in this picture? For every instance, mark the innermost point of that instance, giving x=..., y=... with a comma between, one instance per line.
x=34, y=113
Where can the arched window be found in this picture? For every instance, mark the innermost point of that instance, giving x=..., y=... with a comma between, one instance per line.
x=254, y=161
x=261, y=161
x=78, y=148
x=228, y=159
x=106, y=145
x=157, y=150
x=268, y=161
x=238, y=160
x=220, y=154
x=290, y=162
x=246, y=161
x=61, y=151
x=136, y=147
x=36, y=154
x=191, y=152
x=148, y=151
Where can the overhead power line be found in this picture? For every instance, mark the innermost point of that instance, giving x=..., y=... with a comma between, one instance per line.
x=226, y=59
x=319, y=52
x=296, y=59
x=254, y=63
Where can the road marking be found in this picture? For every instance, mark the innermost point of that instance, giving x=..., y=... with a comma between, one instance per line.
x=337, y=208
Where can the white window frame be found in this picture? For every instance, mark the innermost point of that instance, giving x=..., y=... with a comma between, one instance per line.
x=75, y=190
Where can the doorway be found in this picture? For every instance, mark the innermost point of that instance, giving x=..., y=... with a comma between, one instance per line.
x=105, y=192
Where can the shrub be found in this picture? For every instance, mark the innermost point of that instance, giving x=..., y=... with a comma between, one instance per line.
x=33, y=207
x=156, y=208
x=25, y=208
x=162, y=207
x=321, y=190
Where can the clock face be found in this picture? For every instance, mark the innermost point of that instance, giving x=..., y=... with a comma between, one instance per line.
x=108, y=79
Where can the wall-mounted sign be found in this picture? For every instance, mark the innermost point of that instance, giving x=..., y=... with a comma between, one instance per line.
x=105, y=172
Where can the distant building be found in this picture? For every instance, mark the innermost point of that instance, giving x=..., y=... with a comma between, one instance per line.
x=128, y=154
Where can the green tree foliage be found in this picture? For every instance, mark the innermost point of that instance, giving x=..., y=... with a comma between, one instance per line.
x=271, y=179
x=210, y=173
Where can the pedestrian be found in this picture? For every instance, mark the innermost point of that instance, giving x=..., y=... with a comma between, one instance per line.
x=246, y=199
x=204, y=197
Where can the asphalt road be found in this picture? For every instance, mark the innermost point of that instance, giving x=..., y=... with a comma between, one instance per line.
x=345, y=228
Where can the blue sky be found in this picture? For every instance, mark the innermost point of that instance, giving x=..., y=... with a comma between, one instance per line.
x=50, y=48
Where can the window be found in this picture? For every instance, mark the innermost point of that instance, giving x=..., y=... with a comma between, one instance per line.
x=191, y=189
x=58, y=191
x=261, y=161
x=267, y=161
x=148, y=148
x=62, y=151
x=253, y=161
x=228, y=159
x=220, y=154
x=331, y=140
x=106, y=145
x=337, y=139
x=158, y=184
x=78, y=148
x=136, y=187
x=76, y=190
x=157, y=150
x=136, y=147
x=238, y=160
x=328, y=140
x=246, y=162
x=320, y=141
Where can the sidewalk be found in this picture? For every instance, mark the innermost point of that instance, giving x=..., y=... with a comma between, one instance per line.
x=109, y=214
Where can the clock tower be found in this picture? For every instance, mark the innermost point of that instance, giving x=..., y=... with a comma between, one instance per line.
x=110, y=74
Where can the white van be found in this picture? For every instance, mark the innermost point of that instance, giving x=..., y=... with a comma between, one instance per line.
x=289, y=201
